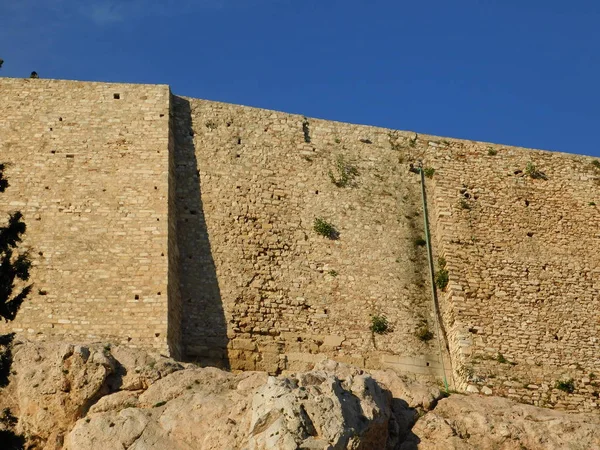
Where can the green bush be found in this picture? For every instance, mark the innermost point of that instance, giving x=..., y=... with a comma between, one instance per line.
x=534, y=172
x=566, y=386
x=596, y=164
x=345, y=173
x=379, y=324
x=324, y=228
x=501, y=359
x=424, y=334
x=492, y=151
x=441, y=276
x=429, y=171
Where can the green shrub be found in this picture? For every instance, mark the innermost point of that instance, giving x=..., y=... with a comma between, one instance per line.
x=379, y=324
x=345, y=173
x=566, y=386
x=324, y=228
x=441, y=276
x=492, y=151
x=534, y=172
x=501, y=359
x=428, y=172
x=159, y=404
x=420, y=242
x=424, y=334
x=596, y=164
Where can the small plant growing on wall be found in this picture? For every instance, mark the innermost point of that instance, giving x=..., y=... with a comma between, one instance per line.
x=566, y=386
x=596, y=164
x=464, y=204
x=532, y=171
x=420, y=242
x=492, y=151
x=424, y=334
x=429, y=172
x=441, y=276
x=345, y=173
x=324, y=228
x=379, y=324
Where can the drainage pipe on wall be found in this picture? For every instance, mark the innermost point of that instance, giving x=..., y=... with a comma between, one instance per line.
x=431, y=271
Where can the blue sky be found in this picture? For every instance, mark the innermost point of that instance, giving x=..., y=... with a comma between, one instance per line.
x=513, y=72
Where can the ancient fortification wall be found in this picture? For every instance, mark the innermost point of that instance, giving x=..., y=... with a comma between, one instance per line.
x=90, y=174
x=523, y=302
x=264, y=284
x=217, y=210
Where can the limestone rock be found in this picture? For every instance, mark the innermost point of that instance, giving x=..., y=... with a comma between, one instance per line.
x=478, y=422
x=88, y=397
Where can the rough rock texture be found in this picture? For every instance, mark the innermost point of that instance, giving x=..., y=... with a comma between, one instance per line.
x=88, y=397
x=477, y=422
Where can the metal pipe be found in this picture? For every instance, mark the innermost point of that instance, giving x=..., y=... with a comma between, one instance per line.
x=432, y=270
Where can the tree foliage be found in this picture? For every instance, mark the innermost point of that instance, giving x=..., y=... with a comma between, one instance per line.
x=14, y=265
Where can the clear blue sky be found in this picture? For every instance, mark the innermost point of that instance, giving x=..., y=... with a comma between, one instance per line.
x=520, y=72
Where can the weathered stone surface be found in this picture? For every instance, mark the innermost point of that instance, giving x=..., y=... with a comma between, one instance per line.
x=160, y=221
x=482, y=423
x=334, y=406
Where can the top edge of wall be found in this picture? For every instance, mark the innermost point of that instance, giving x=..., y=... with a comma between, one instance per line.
x=60, y=80
x=405, y=133
x=423, y=136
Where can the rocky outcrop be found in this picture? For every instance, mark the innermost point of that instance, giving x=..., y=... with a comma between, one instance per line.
x=88, y=397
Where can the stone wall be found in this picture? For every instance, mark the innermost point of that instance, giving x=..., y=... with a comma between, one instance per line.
x=155, y=218
x=89, y=172
x=523, y=303
x=264, y=290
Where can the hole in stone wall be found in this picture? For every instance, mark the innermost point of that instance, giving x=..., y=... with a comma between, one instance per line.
x=157, y=334
x=70, y=156
x=158, y=293
x=47, y=187
x=157, y=219
x=42, y=292
x=237, y=155
x=41, y=253
x=526, y=202
x=137, y=297
x=427, y=364
x=161, y=115
x=162, y=254
x=517, y=172
x=316, y=192
x=53, y=151
x=116, y=96
x=239, y=141
x=155, y=187
x=60, y=119
x=530, y=233
x=50, y=128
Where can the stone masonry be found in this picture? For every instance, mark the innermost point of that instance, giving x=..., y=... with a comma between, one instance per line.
x=89, y=172
x=188, y=226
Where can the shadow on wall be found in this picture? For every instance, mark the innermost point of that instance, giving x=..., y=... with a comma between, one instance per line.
x=204, y=330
